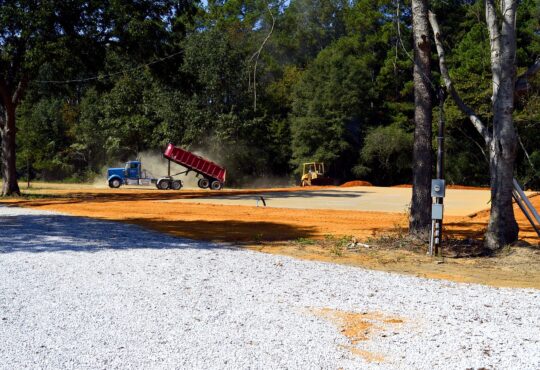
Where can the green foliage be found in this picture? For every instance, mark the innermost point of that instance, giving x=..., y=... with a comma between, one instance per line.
x=324, y=122
x=46, y=119
x=387, y=163
x=333, y=83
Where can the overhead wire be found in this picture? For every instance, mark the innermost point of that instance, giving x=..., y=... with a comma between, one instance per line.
x=424, y=76
x=109, y=75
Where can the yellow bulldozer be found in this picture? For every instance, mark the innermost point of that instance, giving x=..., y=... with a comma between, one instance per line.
x=313, y=174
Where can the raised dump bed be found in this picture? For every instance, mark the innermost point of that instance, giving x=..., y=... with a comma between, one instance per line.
x=212, y=175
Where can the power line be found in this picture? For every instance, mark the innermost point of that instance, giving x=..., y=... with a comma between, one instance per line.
x=110, y=74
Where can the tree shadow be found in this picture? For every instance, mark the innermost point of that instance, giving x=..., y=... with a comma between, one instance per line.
x=51, y=233
x=227, y=230
x=465, y=229
x=114, y=195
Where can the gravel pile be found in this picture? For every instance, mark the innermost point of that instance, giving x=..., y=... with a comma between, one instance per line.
x=81, y=293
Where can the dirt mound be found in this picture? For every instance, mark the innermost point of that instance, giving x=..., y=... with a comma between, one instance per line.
x=356, y=183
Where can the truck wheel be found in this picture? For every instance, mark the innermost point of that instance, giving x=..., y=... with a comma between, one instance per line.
x=176, y=185
x=163, y=184
x=216, y=185
x=115, y=183
x=204, y=183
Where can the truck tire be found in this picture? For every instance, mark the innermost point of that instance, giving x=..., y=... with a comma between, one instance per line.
x=216, y=185
x=163, y=184
x=115, y=183
x=176, y=185
x=203, y=183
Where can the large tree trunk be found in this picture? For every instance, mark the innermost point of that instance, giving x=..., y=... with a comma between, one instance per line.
x=7, y=132
x=502, y=141
x=420, y=218
x=502, y=227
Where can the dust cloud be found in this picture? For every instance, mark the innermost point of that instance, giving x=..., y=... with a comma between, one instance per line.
x=156, y=166
x=100, y=181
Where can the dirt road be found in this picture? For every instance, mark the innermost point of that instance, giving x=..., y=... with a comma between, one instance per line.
x=198, y=215
x=362, y=198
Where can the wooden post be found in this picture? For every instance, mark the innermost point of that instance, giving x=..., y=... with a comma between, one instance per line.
x=28, y=172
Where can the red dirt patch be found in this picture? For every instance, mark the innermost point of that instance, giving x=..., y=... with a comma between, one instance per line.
x=356, y=183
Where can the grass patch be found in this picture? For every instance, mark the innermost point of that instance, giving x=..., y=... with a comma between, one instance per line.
x=305, y=241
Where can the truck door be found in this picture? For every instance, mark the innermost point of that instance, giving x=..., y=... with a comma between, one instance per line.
x=133, y=170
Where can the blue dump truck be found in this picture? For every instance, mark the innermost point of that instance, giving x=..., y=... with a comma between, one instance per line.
x=211, y=175
x=134, y=174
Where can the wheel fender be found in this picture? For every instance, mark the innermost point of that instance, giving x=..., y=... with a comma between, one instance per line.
x=115, y=177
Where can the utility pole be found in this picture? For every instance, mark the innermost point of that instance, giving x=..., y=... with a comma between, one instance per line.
x=438, y=184
x=28, y=172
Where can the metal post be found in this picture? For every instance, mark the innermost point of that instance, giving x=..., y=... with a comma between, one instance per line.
x=440, y=137
x=437, y=224
x=169, y=168
x=526, y=200
x=28, y=172
x=440, y=166
x=431, y=239
x=523, y=208
x=526, y=206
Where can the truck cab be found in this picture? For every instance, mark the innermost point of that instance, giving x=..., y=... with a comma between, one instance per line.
x=132, y=170
x=131, y=174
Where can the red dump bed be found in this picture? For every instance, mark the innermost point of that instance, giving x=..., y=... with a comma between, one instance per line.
x=195, y=163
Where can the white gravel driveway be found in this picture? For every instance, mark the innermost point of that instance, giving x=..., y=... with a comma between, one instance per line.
x=78, y=293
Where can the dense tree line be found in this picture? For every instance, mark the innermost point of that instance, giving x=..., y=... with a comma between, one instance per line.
x=333, y=82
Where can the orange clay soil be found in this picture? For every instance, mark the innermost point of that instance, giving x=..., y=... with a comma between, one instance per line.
x=277, y=230
x=360, y=327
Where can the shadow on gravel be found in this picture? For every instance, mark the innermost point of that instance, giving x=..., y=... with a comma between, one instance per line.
x=49, y=233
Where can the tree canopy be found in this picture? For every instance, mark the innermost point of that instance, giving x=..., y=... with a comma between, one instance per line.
x=107, y=80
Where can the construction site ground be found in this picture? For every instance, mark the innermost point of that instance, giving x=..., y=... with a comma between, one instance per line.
x=310, y=223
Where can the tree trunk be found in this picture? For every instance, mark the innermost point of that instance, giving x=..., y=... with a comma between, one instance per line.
x=502, y=141
x=7, y=132
x=502, y=227
x=420, y=218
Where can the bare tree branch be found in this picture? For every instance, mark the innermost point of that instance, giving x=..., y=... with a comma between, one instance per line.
x=492, y=21
x=480, y=127
x=522, y=82
x=508, y=31
x=4, y=93
x=4, y=99
x=525, y=151
x=482, y=150
x=19, y=92
x=256, y=57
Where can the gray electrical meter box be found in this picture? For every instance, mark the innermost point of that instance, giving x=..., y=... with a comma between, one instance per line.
x=437, y=188
x=437, y=211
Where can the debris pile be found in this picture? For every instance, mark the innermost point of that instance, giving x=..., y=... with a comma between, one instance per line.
x=356, y=183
